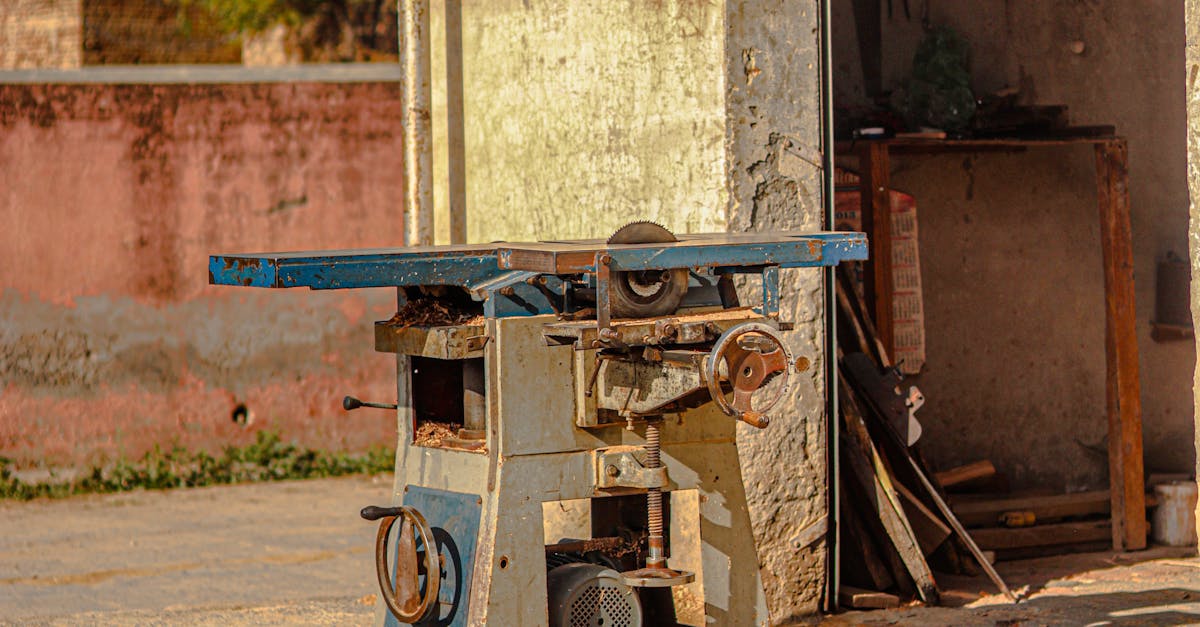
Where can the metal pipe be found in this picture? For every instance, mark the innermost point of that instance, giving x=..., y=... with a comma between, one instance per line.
x=456, y=149
x=832, y=504
x=416, y=99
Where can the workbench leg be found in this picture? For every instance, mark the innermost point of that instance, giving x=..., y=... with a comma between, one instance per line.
x=730, y=574
x=875, y=164
x=1120, y=341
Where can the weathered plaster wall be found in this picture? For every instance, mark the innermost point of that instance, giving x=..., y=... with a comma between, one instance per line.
x=582, y=116
x=113, y=196
x=772, y=137
x=40, y=33
x=1010, y=242
x=1192, y=74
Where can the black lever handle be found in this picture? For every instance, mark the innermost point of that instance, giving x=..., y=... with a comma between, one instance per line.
x=372, y=512
x=350, y=403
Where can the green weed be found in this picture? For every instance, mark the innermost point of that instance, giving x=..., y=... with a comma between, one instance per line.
x=268, y=458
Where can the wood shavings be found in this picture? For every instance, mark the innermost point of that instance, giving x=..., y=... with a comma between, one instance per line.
x=431, y=433
x=429, y=312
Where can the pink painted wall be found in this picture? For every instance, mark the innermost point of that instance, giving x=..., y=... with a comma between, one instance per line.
x=111, y=199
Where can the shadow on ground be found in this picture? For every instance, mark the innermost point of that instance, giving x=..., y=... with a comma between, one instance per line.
x=1160, y=586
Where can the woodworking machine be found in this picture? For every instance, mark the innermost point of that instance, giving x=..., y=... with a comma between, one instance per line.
x=602, y=378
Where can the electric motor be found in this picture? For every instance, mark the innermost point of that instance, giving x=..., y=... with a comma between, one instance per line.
x=590, y=595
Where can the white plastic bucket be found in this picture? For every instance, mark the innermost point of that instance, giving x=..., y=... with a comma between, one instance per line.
x=1174, y=521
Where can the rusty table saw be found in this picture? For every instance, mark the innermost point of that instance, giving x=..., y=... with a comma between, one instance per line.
x=601, y=377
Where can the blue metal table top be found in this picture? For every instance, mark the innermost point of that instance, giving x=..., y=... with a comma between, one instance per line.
x=471, y=266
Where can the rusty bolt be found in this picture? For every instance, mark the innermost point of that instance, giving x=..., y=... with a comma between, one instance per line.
x=506, y=291
x=802, y=363
x=612, y=471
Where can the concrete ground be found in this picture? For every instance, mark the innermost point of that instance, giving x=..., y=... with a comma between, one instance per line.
x=297, y=553
x=272, y=553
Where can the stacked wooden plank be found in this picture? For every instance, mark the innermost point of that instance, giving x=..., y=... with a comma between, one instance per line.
x=1019, y=526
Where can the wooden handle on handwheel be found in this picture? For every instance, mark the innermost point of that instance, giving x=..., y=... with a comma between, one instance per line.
x=741, y=409
x=415, y=606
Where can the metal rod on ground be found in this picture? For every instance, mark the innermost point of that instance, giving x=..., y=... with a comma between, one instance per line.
x=958, y=529
x=415, y=103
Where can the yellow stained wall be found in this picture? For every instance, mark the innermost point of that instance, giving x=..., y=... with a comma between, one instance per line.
x=583, y=116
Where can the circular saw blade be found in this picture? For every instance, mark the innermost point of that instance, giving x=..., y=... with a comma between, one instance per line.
x=647, y=293
x=642, y=232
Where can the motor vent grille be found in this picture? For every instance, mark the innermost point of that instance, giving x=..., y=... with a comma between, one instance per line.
x=602, y=605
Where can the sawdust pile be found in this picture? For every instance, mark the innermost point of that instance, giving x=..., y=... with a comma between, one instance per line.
x=431, y=433
x=429, y=312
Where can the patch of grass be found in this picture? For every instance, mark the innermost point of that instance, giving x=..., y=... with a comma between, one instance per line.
x=268, y=458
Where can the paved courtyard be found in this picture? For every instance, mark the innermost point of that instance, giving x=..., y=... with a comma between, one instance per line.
x=297, y=553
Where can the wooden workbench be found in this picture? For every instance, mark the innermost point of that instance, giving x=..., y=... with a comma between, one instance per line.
x=1120, y=339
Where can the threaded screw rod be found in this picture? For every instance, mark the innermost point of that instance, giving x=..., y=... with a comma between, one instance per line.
x=656, y=557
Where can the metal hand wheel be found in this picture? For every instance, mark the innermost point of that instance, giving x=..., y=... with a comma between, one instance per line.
x=750, y=356
x=405, y=599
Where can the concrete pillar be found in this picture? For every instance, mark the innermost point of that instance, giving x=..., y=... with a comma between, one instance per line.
x=1192, y=75
x=772, y=131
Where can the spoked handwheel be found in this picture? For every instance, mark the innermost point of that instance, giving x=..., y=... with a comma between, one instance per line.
x=749, y=357
x=405, y=598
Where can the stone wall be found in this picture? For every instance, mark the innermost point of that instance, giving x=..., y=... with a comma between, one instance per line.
x=114, y=197
x=71, y=33
x=122, y=32
x=40, y=34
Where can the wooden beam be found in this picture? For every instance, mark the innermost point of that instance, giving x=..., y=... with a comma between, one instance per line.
x=859, y=599
x=962, y=474
x=986, y=513
x=1003, y=538
x=861, y=315
x=857, y=539
x=873, y=477
x=1120, y=341
x=874, y=185
x=931, y=531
